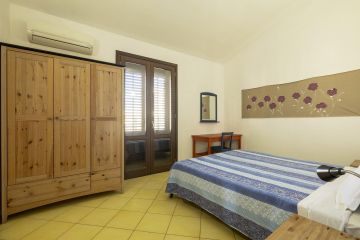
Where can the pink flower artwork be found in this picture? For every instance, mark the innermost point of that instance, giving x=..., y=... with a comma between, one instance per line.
x=321, y=105
x=313, y=86
x=296, y=95
x=272, y=106
x=307, y=100
x=267, y=98
x=311, y=99
x=281, y=99
x=332, y=92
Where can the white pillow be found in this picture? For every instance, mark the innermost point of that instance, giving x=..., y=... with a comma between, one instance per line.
x=348, y=193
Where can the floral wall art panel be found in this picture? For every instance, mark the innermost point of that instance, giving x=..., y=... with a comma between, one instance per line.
x=327, y=96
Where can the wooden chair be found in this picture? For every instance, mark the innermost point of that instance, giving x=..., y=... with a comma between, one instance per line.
x=226, y=142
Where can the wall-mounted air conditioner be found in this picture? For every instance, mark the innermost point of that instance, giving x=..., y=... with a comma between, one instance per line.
x=53, y=36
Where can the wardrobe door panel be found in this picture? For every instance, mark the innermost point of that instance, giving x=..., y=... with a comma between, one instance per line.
x=106, y=117
x=30, y=117
x=72, y=117
x=106, y=148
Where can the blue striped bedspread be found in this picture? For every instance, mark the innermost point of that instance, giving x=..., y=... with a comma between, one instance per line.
x=252, y=192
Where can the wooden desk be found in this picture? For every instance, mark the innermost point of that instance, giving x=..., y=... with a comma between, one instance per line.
x=299, y=228
x=210, y=138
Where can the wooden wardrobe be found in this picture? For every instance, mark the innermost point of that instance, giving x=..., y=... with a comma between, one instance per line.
x=61, y=128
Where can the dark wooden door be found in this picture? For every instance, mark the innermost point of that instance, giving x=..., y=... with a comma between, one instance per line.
x=150, y=115
x=163, y=118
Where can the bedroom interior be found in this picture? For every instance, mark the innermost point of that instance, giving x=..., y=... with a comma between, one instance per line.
x=147, y=120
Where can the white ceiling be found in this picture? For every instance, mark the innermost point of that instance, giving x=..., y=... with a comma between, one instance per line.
x=211, y=29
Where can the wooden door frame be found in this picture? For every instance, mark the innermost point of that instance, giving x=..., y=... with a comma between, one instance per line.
x=122, y=58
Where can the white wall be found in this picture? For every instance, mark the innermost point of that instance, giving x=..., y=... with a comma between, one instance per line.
x=194, y=74
x=321, y=38
x=4, y=20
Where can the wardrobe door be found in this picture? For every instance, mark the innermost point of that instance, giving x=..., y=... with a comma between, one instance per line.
x=30, y=117
x=106, y=118
x=72, y=117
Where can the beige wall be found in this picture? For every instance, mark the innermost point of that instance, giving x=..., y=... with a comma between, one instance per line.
x=317, y=39
x=195, y=75
x=321, y=38
x=4, y=20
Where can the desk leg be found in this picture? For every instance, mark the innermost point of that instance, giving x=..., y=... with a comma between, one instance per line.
x=194, y=148
x=209, y=147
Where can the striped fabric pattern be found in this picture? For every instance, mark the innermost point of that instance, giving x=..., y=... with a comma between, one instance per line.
x=252, y=192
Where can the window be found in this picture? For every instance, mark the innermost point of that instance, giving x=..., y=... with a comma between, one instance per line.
x=162, y=101
x=135, y=108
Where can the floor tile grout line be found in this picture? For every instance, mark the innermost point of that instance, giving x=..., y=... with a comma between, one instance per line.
x=86, y=215
x=172, y=216
x=148, y=232
x=78, y=222
x=167, y=229
x=142, y=216
x=97, y=233
x=90, y=225
x=39, y=218
x=147, y=212
x=66, y=231
x=117, y=212
x=140, y=219
x=74, y=226
x=34, y=230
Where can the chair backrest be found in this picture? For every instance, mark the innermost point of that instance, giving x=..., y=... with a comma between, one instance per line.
x=225, y=137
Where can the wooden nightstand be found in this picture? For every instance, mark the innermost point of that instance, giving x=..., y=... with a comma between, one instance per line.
x=355, y=163
x=299, y=228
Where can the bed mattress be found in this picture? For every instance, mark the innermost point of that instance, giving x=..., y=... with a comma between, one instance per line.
x=252, y=192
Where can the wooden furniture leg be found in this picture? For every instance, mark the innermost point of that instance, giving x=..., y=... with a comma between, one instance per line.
x=209, y=147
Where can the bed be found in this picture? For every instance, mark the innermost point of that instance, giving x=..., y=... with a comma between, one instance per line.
x=251, y=192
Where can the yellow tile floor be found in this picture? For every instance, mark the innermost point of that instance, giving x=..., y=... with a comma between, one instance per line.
x=143, y=212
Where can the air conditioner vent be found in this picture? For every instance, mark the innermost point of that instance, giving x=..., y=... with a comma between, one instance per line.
x=39, y=35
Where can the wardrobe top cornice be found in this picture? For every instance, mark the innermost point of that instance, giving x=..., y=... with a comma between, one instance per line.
x=58, y=54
